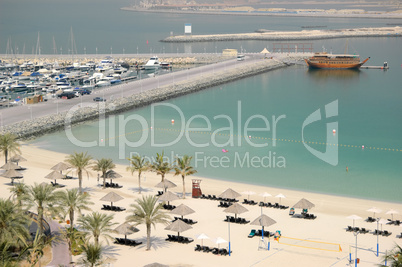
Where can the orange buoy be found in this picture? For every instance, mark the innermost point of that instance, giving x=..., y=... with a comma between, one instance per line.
x=334, y=131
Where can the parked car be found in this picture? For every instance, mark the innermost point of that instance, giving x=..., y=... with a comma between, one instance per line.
x=99, y=99
x=67, y=95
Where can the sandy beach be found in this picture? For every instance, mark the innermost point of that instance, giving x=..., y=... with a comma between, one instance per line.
x=329, y=226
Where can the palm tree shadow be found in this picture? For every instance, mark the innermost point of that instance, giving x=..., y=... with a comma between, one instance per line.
x=110, y=251
x=143, y=190
x=156, y=242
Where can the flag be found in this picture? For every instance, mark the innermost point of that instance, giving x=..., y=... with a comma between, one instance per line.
x=147, y=42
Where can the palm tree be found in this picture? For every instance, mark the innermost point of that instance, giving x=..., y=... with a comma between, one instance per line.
x=9, y=144
x=71, y=201
x=92, y=255
x=98, y=224
x=394, y=258
x=43, y=197
x=138, y=163
x=35, y=249
x=7, y=258
x=184, y=168
x=80, y=161
x=160, y=166
x=103, y=165
x=73, y=237
x=13, y=223
x=18, y=191
x=147, y=211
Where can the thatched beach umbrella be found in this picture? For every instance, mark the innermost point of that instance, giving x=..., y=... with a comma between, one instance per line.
x=168, y=196
x=303, y=204
x=54, y=175
x=126, y=229
x=61, y=166
x=13, y=174
x=265, y=195
x=229, y=193
x=280, y=196
x=236, y=208
x=165, y=184
x=17, y=158
x=182, y=210
x=112, y=197
x=112, y=175
x=219, y=241
x=178, y=226
x=10, y=166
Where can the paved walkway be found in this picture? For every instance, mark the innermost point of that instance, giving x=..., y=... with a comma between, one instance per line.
x=61, y=255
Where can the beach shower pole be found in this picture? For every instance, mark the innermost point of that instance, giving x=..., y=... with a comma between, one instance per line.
x=229, y=235
x=356, y=233
x=378, y=247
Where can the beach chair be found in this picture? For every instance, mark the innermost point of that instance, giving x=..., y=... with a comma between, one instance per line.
x=252, y=233
x=349, y=229
x=252, y=202
x=214, y=197
x=223, y=251
x=386, y=233
x=397, y=222
x=364, y=230
x=215, y=251
x=245, y=201
x=206, y=249
x=258, y=233
x=197, y=247
x=400, y=235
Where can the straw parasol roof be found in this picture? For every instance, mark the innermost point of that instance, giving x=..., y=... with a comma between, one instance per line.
x=354, y=217
x=112, y=174
x=168, y=196
x=112, y=197
x=178, y=226
x=229, y=193
x=392, y=212
x=265, y=51
x=374, y=210
x=55, y=175
x=182, y=210
x=17, y=158
x=202, y=236
x=263, y=220
x=236, y=208
x=303, y=204
x=10, y=166
x=219, y=240
x=126, y=229
x=13, y=174
x=61, y=166
x=166, y=184
x=280, y=196
x=248, y=193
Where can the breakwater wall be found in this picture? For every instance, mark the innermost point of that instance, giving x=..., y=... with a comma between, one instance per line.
x=33, y=128
x=290, y=36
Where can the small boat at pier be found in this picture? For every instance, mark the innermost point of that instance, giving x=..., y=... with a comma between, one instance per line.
x=324, y=60
x=152, y=64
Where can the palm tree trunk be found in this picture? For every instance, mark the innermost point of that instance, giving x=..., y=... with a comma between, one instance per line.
x=72, y=219
x=184, y=187
x=80, y=180
x=40, y=219
x=148, y=236
x=163, y=177
x=104, y=180
x=139, y=183
x=6, y=154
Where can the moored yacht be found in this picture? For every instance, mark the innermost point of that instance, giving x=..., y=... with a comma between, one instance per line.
x=153, y=63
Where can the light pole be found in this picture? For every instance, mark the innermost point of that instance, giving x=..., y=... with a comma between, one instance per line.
x=355, y=234
x=229, y=236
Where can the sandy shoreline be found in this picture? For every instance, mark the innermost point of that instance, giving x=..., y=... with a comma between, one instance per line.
x=329, y=227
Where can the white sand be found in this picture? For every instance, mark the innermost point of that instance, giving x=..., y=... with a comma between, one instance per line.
x=331, y=212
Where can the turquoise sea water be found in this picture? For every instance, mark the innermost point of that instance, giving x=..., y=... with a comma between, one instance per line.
x=369, y=109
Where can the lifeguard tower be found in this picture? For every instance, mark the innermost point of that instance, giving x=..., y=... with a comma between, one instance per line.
x=196, y=188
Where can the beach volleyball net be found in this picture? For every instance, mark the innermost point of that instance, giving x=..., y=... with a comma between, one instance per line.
x=310, y=244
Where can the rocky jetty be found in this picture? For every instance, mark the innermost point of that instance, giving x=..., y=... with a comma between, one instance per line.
x=290, y=36
x=40, y=126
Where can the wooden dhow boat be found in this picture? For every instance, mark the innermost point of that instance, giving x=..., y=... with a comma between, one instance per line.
x=324, y=60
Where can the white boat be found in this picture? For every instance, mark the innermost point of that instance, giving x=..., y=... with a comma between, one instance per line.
x=104, y=81
x=153, y=63
x=19, y=87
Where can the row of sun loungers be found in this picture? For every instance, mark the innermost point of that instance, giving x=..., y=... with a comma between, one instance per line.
x=127, y=242
x=383, y=233
x=112, y=208
x=216, y=251
x=223, y=204
x=259, y=233
x=113, y=185
x=188, y=221
x=371, y=219
x=397, y=222
x=236, y=220
x=308, y=216
x=270, y=205
x=357, y=229
x=168, y=207
x=249, y=202
x=179, y=239
x=213, y=197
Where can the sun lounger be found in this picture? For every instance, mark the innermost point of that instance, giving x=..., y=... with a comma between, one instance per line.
x=206, y=249
x=252, y=233
x=252, y=202
x=197, y=247
x=386, y=233
x=377, y=232
x=258, y=233
x=364, y=230
x=223, y=251
x=400, y=235
x=245, y=201
x=349, y=229
x=370, y=219
x=215, y=251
